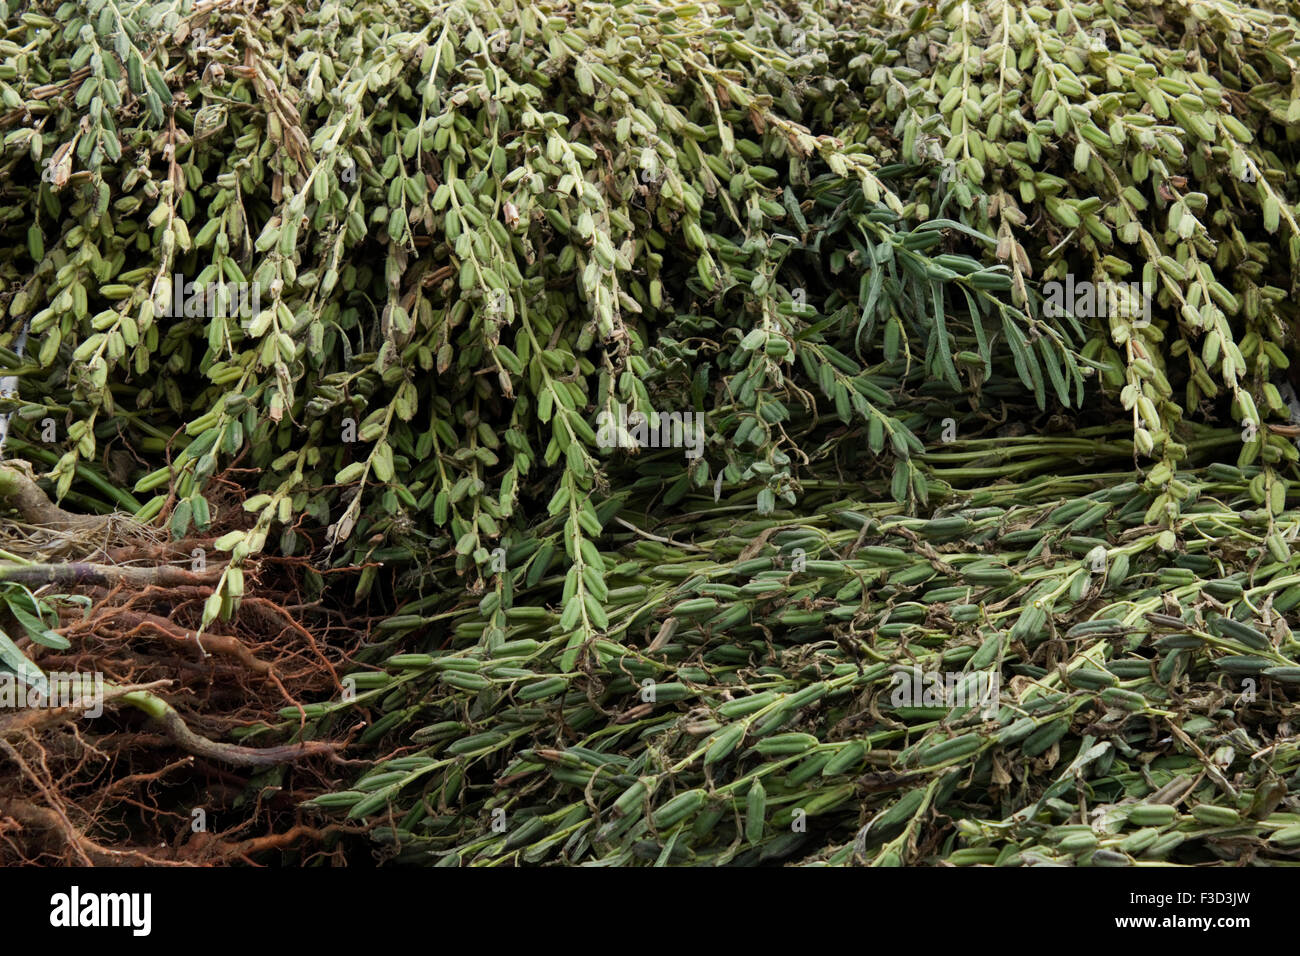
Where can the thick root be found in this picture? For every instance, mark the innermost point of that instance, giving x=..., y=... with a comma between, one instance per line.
x=25, y=495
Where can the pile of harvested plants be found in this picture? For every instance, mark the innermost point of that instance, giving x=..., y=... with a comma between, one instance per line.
x=721, y=433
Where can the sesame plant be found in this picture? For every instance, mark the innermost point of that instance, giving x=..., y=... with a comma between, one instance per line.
x=604, y=415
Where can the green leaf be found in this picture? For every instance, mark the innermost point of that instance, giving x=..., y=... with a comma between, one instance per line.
x=1050, y=358
x=944, y=348
x=18, y=663
x=37, y=630
x=954, y=224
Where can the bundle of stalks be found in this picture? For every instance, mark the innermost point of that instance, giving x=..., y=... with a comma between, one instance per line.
x=747, y=431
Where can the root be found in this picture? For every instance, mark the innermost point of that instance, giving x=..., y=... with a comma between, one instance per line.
x=25, y=495
x=232, y=754
x=27, y=722
x=69, y=838
x=80, y=573
x=244, y=849
x=206, y=643
x=141, y=697
x=114, y=790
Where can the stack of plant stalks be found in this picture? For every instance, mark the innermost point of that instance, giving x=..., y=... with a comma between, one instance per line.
x=742, y=705
x=472, y=240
